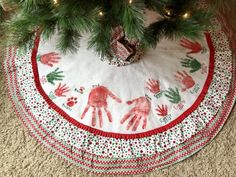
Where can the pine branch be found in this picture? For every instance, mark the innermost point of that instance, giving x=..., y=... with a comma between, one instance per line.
x=132, y=20
x=20, y=29
x=49, y=28
x=158, y=6
x=74, y=17
x=177, y=26
x=153, y=33
x=28, y=5
x=68, y=40
x=100, y=39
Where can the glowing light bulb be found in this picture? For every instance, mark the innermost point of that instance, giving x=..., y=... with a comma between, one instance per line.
x=130, y=1
x=100, y=13
x=186, y=15
x=55, y=1
x=169, y=11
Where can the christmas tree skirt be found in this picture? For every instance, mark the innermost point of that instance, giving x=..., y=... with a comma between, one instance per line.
x=124, y=120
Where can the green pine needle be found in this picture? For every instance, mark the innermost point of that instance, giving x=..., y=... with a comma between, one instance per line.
x=68, y=41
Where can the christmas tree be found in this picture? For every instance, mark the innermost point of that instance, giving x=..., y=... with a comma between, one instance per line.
x=71, y=19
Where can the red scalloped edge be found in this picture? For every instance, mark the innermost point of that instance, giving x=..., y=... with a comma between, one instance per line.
x=119, y=135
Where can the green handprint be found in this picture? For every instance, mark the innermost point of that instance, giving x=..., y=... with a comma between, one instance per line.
x=191, y=63
x=54, y=76
x=173, y=95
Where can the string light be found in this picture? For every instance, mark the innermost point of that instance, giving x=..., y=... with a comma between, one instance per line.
x=100, y=13
x=130, y=1
x=168, y=12
x=55, y=2
x=186, y=15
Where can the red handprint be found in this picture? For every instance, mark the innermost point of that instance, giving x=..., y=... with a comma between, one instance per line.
x=97, y=100
x=162, y=110
x=194, y=47
x=50, y=58
x=61, y=89
x=185, y=79
x=140, y=111
x=153, y=86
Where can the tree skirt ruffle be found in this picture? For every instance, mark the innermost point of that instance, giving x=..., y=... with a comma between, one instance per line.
x=124, y=120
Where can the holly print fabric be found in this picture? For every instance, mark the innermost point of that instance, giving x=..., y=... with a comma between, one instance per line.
x=124, y=120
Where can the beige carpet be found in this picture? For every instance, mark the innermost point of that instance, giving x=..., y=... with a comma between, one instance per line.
x=21, y=155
